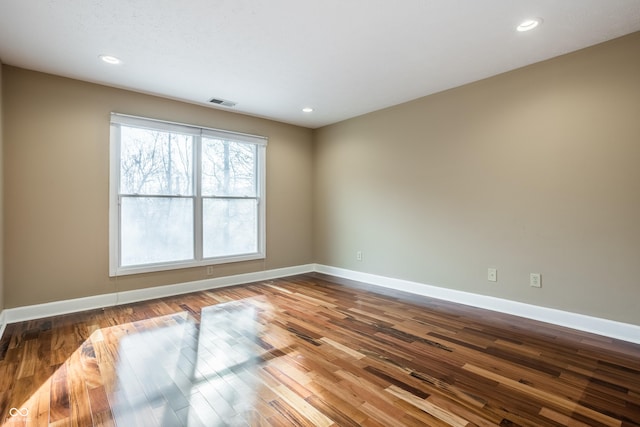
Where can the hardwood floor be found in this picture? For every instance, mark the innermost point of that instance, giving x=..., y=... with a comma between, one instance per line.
x=306, y=351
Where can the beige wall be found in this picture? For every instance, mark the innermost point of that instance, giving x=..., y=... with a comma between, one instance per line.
x=56, y=148
x=530, y=171
x=535, y=170
x=1, y=200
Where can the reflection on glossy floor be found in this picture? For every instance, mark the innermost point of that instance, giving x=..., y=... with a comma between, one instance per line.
x=305, y=351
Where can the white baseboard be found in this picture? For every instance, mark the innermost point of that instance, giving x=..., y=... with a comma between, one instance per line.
x=608, y=328
x=56, y=308
x=213, y=283
x=3, y=323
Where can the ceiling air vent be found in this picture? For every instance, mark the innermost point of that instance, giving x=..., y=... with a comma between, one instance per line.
x=222, y=102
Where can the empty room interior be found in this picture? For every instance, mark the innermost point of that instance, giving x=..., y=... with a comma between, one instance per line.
x=420, y=213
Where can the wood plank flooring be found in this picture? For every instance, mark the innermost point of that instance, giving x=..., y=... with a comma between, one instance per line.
x=305, y=351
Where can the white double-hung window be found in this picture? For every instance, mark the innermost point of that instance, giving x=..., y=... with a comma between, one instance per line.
x=183, y=196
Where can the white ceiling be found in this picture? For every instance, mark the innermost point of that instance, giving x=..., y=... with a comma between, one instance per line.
x=341, y=57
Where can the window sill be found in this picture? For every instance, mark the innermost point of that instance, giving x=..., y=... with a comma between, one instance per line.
x=154, y=268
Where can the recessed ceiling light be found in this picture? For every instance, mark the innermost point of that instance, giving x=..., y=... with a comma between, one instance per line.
x=110, y=59
x=529, y=24
x=307, y=110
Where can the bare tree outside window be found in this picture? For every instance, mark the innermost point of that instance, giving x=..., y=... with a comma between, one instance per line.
x=162, y=201
x=155, y=166
x=158, y=163
x=228, y=176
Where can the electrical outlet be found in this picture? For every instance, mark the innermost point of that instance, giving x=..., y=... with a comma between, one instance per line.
x=535, y=280
x=359, y=255
x=209, y=270
x=492, y=274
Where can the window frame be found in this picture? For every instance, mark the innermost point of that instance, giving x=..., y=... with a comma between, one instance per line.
x=198, y=133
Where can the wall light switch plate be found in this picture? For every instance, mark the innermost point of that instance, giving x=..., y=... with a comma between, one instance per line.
x=535, y=280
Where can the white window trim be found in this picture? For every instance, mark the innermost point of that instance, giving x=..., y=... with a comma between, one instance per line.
x=114, y=184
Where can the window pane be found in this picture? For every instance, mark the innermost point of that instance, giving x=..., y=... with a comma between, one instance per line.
x=230, y=227
x=155, y=230
x=228, y=168
x=170, y=181
x=155, y=162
